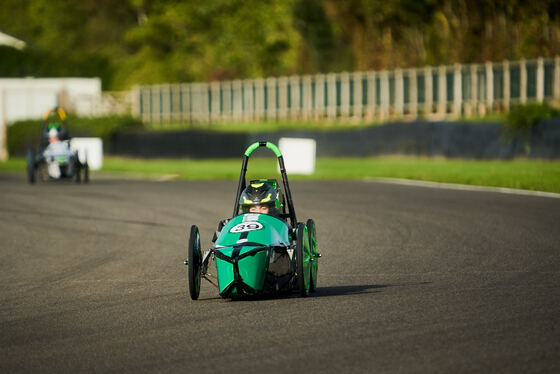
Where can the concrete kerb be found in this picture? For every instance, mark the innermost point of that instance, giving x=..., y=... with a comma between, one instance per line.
x=464, y=187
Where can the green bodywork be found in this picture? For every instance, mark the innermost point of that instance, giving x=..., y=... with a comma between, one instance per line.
x=274, y=231
x=244, y=250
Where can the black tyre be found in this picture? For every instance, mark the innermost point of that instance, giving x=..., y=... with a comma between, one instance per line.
x=314, y=254
x=86, y=172
x=194, y=262
x=77, y=168
x=300, y=271
x=31, y=166
x=78, y=173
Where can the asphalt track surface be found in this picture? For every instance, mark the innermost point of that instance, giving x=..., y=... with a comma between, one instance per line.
x=412, y=279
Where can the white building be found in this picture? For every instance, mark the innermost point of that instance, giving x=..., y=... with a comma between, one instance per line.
x=28, y=98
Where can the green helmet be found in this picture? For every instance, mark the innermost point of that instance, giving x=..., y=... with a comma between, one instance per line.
x=54, y=125
x=260, y=192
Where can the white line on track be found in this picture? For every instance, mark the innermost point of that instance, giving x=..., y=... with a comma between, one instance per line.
x=464, y=187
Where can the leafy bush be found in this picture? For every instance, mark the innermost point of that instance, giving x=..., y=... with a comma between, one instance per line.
x=522, y=119
x=24, y=134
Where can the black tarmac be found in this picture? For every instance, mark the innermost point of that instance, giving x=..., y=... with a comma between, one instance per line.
x=412, y=280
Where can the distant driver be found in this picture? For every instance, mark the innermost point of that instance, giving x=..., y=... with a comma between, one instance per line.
x=58, y=154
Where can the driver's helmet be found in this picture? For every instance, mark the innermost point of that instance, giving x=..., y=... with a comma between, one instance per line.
x=259, y=194
x=52, y=130
x=53, y=133
x=54, y=125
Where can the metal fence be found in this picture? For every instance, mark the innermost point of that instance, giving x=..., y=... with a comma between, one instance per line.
x=429, y=92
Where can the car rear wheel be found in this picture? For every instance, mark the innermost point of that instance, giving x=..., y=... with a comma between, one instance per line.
x=31, y=166
x=78, y=171
x=300, y=261
x=314, y=265
x=194, y=262
x=86, y=173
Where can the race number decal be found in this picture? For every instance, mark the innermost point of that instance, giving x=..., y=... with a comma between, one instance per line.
x=246, y=226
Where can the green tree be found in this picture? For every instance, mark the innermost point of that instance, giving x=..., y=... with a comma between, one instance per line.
x=208, y=40
x=153, y=41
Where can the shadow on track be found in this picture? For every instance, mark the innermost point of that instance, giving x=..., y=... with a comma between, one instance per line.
x=321, y=292
x=358, y=289
x=349, y=290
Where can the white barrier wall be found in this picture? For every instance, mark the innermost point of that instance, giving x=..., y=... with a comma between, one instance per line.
x=90, y=150
x=299, y=155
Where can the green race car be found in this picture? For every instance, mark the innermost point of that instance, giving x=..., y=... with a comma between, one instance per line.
x=262, y=249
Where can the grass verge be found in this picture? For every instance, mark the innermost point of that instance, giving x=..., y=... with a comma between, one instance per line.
x=537, y=175
x=264, y=126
